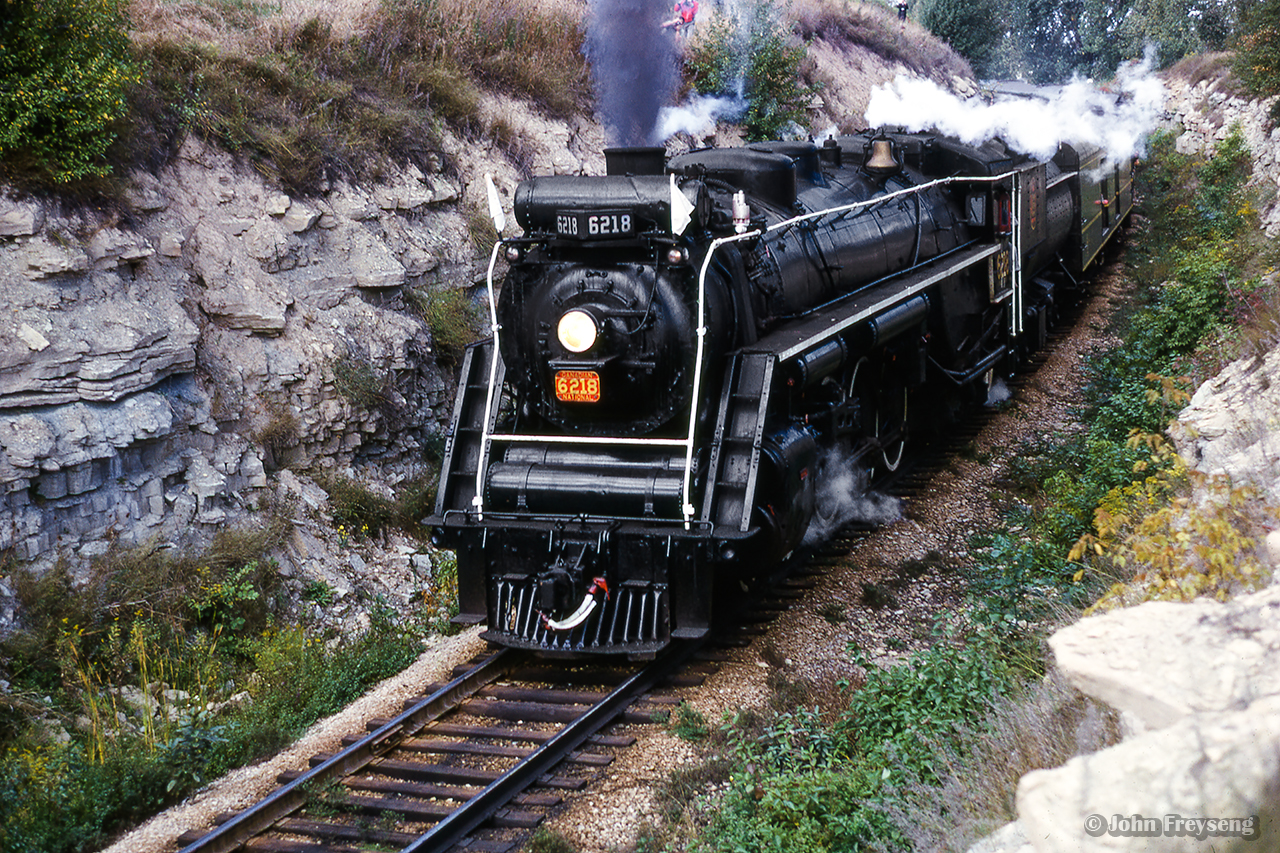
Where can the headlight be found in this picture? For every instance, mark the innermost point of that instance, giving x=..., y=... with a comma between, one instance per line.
x=576, y=331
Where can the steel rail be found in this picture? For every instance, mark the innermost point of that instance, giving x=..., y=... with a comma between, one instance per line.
x=472, y=814
x=292, y=796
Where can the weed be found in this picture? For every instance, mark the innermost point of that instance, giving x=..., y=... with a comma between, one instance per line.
x=903, y=713
x=361, y=384
x=688, y=723
x=685, y=784
x=833, y=612
x=223, y=604
x=440, y=599
x=328, y=800
x=450, y=315
x=281, y=431
x=878, y=596
x=318, y=592
x=548, y=841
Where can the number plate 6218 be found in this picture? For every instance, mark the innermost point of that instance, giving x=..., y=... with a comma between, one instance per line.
x=577, y=386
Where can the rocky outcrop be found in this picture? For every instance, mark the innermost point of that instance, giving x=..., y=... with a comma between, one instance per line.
x=1164, y=661
x=166, y=368
x=1230, y=427
x=1197, y=684
x=142, y=369
x=1198, y=690
x=1204, y=115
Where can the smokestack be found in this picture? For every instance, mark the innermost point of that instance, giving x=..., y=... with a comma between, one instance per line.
x=635, y=160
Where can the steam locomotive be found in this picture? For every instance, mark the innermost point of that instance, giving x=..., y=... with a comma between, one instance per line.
x=685, y=350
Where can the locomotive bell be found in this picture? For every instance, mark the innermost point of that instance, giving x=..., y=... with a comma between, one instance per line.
x=881, y=161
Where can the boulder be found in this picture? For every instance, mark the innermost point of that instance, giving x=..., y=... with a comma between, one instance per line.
x=1228, y=429
x=1164, y=660
x=1130, y=797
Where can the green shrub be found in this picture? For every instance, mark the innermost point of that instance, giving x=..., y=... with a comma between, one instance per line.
x=450, y=314
x=811, y=811
x=757, y=60
x=1258, y=50
x=902, y=715
x=71, y=797
x=361, y=383
x=300, y=680
x=1175, y=549
x=57, y=800
x=66, y=67
x=440, y=598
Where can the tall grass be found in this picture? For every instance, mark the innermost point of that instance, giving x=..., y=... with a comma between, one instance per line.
x=875, y=28
x=166, y=671
x=340, y=95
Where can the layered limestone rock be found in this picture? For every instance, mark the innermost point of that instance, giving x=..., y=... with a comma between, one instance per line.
x=166, y=369
x=151, y=377
x=1203, y=115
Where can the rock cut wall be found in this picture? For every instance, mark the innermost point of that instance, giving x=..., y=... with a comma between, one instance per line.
x=155, y=366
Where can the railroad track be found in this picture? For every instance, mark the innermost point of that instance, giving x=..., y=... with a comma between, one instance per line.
x=479, y=760
x=475, y=764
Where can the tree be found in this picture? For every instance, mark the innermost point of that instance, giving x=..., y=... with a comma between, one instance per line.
x=1257, y=47
x=65, y=66
x=753, y=57
x=973, y=28
x=1050, y=41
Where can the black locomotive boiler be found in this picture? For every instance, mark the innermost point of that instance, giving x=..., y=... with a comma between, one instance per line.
x=681, y=345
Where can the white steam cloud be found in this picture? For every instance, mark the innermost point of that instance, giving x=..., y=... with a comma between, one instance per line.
x=697, y=117
x=1116, y=120
x=842, y=497
x=998, y=392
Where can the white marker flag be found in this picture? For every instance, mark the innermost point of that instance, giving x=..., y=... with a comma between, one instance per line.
x=681, y=209
x=495, y=204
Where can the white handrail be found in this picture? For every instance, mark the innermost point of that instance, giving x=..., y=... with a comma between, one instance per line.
x=478, y=500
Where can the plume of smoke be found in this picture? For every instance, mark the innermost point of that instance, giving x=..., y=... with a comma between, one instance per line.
x=1118, y=121
x=633, y=66
x=842, y=497
x=998, y=393
x=698, y=116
